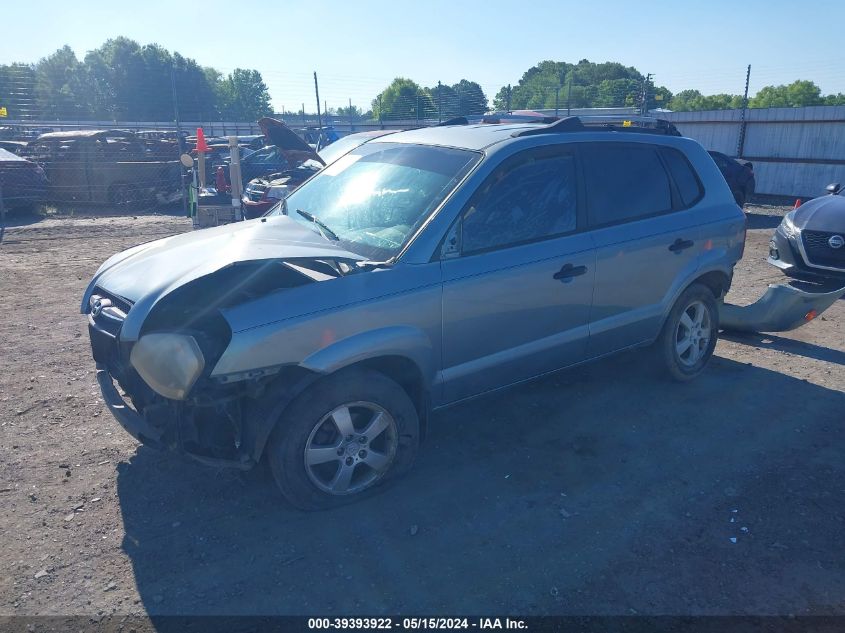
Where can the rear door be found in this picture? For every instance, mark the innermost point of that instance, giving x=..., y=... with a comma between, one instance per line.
x=516, y=296
x=646, y=238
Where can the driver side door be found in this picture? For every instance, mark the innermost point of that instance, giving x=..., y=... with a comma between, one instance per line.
x=517, y=288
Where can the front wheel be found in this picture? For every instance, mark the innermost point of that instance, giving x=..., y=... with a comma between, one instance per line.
x=689, y=334
x=342, y=438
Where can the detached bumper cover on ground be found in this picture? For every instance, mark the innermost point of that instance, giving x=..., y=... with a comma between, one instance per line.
x=781, y=309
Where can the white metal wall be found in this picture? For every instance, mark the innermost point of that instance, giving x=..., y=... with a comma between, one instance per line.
x=795, y=151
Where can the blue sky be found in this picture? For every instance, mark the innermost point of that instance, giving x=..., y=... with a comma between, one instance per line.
x=358, y=47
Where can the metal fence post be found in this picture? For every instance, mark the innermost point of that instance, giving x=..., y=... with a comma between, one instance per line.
x=740, y=145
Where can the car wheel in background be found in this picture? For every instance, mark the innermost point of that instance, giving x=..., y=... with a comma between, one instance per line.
x=690, y=333
x=342, y=438
x=740, y=198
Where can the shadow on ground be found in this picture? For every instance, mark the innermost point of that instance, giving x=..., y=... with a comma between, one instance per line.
x=792, y=346
x=601, y=490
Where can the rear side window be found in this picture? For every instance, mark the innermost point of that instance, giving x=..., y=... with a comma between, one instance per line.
x=624, y=182
x=689, y=187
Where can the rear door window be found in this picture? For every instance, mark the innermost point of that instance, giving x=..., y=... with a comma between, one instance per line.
x=624, y=182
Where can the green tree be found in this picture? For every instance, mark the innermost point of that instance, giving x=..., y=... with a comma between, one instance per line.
x=245, y=96
x=687, y=100
x=350, y=111
x=403, y=99
x=60, y=89
x=798, y=93
x=837, y=99
x=471, y=98
x=607, y=84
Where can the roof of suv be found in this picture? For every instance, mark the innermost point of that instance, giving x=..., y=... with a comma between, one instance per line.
x=474, y=137
x=483, y=135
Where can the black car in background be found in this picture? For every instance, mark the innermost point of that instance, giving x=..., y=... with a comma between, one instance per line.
x=23, y=184
x=810, y=241
x=738, y=173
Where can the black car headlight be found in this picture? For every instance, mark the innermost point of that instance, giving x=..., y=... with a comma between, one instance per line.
x=169, y=363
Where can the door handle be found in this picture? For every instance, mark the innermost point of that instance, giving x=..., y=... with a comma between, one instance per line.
x=568, y=271
x=680, y=245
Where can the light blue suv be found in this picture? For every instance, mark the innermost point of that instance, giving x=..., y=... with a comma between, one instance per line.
x=421, y=269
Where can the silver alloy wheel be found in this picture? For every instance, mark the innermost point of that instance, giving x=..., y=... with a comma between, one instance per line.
x=351, y=448
x=693, y=334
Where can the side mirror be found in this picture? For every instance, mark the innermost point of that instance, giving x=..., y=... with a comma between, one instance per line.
x=833, y=188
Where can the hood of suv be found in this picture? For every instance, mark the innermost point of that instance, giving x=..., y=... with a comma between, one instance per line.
x=146, y=273
x=822, y=214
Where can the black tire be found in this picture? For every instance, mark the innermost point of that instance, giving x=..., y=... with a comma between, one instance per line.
x=686, y=365
x=740, y=198
x=308, y=416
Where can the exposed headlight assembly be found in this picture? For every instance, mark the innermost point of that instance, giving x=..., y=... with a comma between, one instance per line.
x=788, y=225
x=169, y=363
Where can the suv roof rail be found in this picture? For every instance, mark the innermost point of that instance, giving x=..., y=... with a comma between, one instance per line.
x=641, y=124
x=566, y=124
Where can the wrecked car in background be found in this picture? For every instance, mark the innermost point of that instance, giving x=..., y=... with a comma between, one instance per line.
x=107, y=166
x=418, y=270
x=809, y=243
x=739, y=174
x=23, y=184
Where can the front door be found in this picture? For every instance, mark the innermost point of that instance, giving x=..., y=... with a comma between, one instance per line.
x=516, y=297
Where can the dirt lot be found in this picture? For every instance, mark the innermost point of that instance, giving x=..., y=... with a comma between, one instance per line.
x=601, y=490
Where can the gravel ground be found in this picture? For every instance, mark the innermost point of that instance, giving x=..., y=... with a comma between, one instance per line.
x=600, y=490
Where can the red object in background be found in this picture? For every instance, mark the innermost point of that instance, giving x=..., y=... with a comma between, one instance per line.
x=797, y=203
x=220, y=179
x=202, y=146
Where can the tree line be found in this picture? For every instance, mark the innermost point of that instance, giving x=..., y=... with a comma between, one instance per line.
x=125, y=81
x=552, y=84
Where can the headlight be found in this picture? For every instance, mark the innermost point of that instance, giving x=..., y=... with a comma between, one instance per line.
x=788, y=225
x=168, y=363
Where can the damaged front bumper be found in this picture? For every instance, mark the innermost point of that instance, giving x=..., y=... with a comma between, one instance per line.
x=164, y=433
x=129, y=419
x=780, y=309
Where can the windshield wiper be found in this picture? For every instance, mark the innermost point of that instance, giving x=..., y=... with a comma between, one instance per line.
x=325, y=231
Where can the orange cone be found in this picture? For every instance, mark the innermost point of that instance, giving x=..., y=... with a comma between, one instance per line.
x=797, y=203
x=202, y=146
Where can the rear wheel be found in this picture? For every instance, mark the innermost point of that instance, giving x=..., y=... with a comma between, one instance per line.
x=342, y=438
x=689, y=334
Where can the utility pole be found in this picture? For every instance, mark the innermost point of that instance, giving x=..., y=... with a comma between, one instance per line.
x=569, y=93
x=439, y=102
x=508, y=102
x=740, y=146
x=319, y=119
x=644, y=104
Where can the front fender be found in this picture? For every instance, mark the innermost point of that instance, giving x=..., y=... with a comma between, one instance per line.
x=405, y=341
